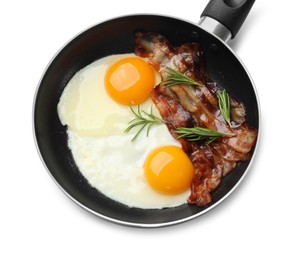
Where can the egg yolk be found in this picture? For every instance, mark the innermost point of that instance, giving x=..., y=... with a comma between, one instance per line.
x=130, y=81
x=169, y=170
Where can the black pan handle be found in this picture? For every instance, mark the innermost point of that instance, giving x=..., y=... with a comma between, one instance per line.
x=230, y=13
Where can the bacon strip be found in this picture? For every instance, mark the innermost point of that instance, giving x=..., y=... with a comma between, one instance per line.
x=190, y=106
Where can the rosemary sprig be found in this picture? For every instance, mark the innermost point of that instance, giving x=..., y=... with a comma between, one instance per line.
x=198, y=134
x=175, y=77
x=143, y=119
x=224, y=104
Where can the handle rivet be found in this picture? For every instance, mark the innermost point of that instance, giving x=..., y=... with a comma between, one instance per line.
x=195, y=35
x=214, y=48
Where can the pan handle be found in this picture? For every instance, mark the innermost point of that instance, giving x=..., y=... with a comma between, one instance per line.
x=225, y=17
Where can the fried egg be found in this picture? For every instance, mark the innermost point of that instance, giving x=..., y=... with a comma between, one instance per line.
x=151, y=172
x=88, y=104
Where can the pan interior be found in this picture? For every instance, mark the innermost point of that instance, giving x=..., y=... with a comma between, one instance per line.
x=116, y=37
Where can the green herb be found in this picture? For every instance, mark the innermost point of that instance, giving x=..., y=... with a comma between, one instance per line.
x=198, y=134
x=224, y=104
x=143, y=119
x=176, y=77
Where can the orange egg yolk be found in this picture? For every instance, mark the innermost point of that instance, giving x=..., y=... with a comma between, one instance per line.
x=169, y=170
x=130, y=81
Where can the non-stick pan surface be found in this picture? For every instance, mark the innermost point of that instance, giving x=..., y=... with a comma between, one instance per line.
x=115, y=37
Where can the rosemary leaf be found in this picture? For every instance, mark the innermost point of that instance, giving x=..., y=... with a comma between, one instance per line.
x=176, y=78
x=142, y=119
x=224, y=104
x=198, y=134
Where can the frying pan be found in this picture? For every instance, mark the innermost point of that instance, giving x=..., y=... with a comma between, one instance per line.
x=220, y=21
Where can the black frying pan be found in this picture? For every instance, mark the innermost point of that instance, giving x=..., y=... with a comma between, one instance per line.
x=115, y=37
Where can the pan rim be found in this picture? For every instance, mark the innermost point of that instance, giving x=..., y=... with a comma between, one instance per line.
x=137, y=224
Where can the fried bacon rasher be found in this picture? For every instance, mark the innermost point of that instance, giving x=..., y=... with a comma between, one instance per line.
x=197, y=106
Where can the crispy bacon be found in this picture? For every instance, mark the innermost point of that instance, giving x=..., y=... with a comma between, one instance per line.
x=189, y=106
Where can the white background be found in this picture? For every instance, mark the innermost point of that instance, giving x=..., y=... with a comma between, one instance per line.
x=39, y=222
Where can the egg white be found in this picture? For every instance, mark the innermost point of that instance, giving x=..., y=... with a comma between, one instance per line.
x=104, y=154
x=114, y=166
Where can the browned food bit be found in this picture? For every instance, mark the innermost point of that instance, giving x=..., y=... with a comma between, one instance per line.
x=187, y=105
